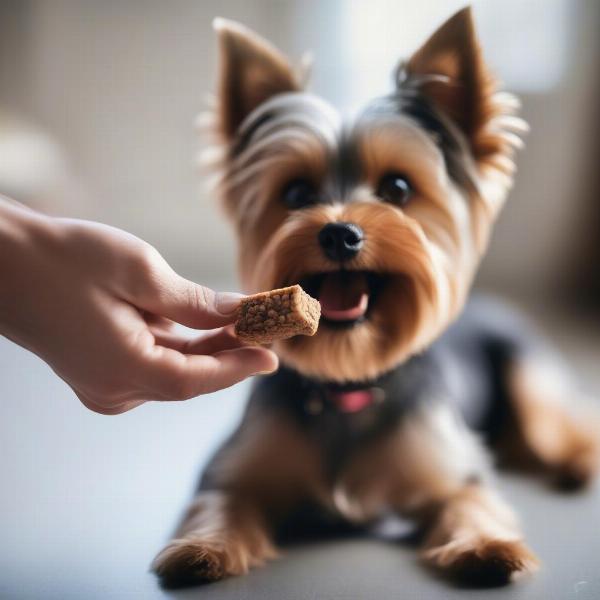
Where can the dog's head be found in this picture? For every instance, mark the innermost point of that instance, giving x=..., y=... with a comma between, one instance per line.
x=384, y=220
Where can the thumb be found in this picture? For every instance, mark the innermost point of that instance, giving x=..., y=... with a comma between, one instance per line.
x=189, y=303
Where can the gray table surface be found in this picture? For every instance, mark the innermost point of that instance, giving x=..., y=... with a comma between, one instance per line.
x=86, y=501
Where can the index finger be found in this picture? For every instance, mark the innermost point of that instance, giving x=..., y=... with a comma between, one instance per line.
x=172, y=375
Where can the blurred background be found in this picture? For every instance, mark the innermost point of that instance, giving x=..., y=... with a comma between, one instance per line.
x=97, y=105
x=98, y=99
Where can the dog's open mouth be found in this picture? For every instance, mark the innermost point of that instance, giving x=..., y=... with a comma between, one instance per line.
x=346, y=297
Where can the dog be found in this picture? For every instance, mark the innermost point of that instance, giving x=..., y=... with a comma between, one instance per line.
x=393, y=404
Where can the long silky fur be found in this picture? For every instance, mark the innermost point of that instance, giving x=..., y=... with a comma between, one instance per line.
x=263, y=132
x=427, y=251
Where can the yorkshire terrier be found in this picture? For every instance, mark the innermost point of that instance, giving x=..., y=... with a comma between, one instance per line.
x=392, y=404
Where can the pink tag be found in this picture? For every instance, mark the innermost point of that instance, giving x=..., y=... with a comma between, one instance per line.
x=353, y=401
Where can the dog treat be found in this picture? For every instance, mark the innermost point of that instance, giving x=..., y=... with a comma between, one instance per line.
x=277, y=315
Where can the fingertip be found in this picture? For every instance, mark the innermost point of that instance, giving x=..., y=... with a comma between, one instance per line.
x=271, y=361
x=227, y=303
x=254, y=360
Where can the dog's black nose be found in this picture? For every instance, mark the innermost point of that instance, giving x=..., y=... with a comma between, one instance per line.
x=341, y=241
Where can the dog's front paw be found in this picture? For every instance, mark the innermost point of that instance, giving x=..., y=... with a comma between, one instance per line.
x=485, y=562
x=190, y=561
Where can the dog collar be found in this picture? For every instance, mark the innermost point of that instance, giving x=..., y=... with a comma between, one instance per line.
x=348, y=401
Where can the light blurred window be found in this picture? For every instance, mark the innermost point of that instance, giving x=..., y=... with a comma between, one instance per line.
x=526, y=41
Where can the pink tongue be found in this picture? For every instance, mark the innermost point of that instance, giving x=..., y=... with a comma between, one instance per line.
x=354, y=401
x=344, y=296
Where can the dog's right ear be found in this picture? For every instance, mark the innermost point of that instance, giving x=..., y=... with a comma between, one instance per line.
x=251, y=71
x=454, y=77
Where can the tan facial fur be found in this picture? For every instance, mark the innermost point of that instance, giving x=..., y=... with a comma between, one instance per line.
x=426, y=251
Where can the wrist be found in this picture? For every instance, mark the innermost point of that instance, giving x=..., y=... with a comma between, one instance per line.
x=23, y=235
x=19, y=223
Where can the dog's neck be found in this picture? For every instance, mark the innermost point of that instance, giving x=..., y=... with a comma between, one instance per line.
x=340, y=417
x=317, y=396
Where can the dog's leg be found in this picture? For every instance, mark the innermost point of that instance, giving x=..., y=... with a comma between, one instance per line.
x=472, y=534
x=254, y=481
x=475, y=538
x=221, y=534
x=440, y=479
x=554, y=430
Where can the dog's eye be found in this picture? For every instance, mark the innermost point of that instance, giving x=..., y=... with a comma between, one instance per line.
x=394, y=188
x=299, y=193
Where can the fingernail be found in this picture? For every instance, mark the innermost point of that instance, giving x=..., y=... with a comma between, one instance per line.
x=227, y=302
x=265, y=372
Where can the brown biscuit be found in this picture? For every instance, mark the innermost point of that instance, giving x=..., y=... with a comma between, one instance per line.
x=277, y=315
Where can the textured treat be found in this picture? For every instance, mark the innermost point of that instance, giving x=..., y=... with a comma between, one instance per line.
x=277, y=315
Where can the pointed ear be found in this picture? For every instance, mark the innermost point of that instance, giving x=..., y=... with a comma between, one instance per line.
x=252, y=71
x=450, y=72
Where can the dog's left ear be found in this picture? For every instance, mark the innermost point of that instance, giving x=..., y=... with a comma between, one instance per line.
x=450, y=72
x=251, y=72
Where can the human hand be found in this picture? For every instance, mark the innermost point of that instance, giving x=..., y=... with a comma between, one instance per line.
x=99, y=306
